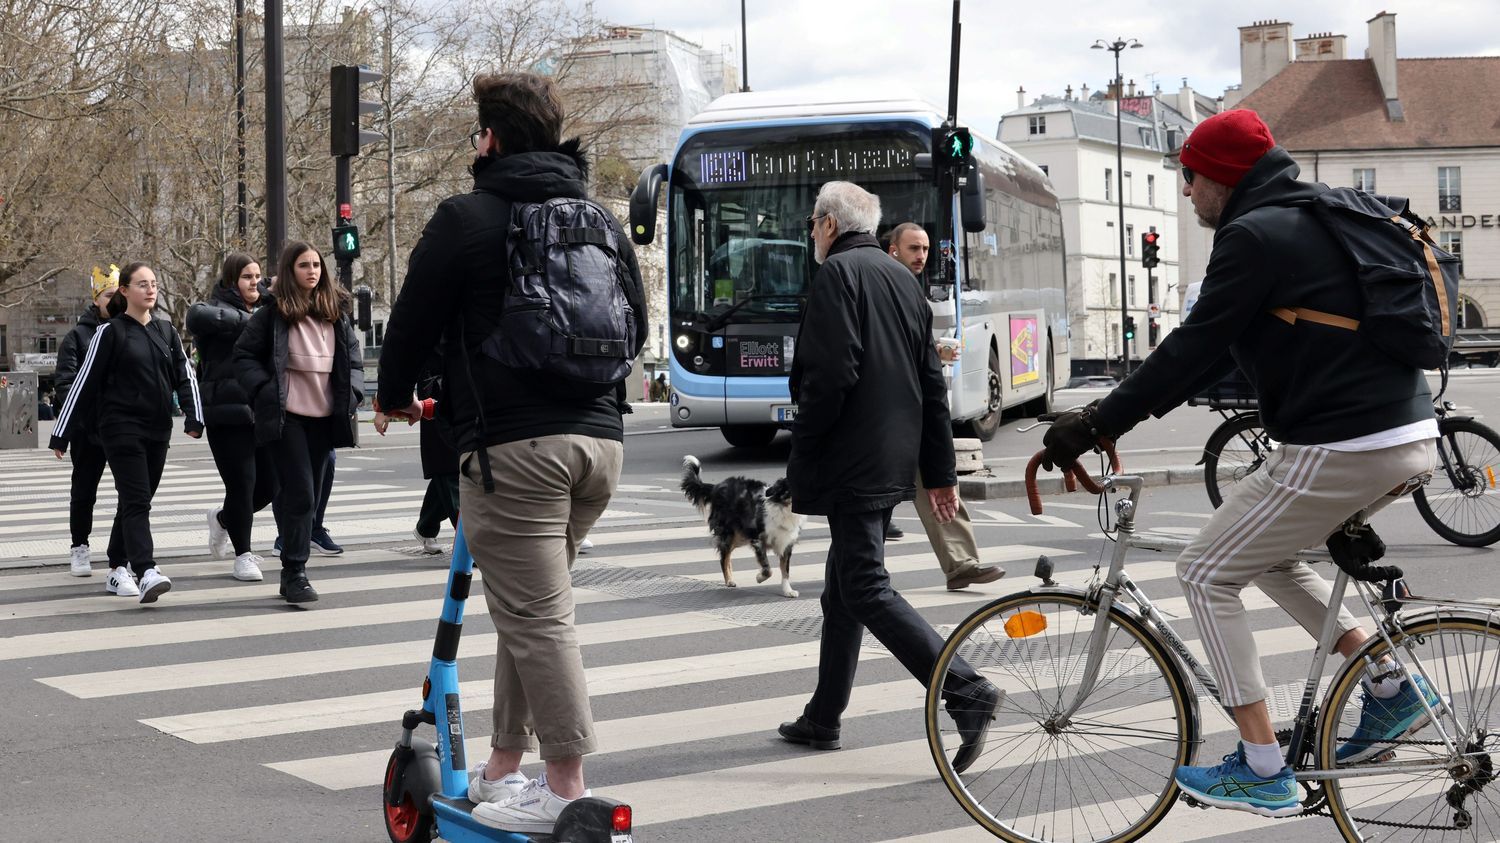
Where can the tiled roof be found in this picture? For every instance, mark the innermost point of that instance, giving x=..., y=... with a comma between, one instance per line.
x=1327, y=105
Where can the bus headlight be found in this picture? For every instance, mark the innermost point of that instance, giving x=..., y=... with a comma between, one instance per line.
x=684, y=342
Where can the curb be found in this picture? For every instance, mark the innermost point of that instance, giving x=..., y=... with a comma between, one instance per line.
x=974, y=488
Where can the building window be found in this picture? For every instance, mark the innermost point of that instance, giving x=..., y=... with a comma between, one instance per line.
x=1129, y=240
x=1151, y=190
x=1450, y=189
x=1037, y=125
x=1364, y=179
x=1130, y=291
x=1114, y=290
x=1109, y=185
x=375, y=336
x=1452, y=242
x=1129, y=190
x=46, y=344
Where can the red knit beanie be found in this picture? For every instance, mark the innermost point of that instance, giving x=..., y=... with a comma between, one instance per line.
x=1225, y=146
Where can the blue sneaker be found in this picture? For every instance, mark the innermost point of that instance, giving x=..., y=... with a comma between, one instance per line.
x=325, y=543
x=1383, y=722
x=1235, y=786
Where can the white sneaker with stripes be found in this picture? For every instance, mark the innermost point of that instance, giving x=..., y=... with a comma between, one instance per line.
x=154, y=584
x=122, y=582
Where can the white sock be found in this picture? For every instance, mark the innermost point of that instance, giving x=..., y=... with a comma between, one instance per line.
x=1264, y=759
x=1384, y=689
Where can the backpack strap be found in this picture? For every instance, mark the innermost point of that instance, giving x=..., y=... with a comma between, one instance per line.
x=1291, y=315
x=1419, y=234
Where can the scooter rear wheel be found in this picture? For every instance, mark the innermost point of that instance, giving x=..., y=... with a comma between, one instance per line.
x=405, y=821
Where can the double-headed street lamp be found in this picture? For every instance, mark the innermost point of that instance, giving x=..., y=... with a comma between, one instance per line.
x=1117, y=46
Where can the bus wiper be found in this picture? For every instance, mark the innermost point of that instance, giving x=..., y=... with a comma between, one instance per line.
x=722, y=319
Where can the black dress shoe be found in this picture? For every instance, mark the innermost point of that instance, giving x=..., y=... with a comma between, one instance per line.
x=973, y=713
x=804, y=731
x=893, y=532
x=296, y=589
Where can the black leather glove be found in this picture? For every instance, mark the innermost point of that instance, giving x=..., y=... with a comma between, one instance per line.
x=1071, y=435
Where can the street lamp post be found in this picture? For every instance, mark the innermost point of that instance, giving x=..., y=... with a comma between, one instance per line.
x=1117, y=46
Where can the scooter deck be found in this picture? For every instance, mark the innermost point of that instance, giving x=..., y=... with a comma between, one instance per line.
x=456, y=824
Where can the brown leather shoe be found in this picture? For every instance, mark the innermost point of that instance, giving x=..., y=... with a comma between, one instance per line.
x=989, y=573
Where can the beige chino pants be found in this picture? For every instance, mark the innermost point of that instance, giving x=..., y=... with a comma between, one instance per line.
x=957, y=550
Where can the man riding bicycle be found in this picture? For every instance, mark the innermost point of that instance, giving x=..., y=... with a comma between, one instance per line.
x=1355, y=424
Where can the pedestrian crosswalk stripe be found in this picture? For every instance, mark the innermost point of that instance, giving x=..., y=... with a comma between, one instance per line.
x=212, y=496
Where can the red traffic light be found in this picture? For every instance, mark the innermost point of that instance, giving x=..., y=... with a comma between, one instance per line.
x=1151, y=237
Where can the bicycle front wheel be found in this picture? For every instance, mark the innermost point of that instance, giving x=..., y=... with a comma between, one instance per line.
x=1423, y=790
x=1234, y=450
x=1103, y=774
x=1461, y=503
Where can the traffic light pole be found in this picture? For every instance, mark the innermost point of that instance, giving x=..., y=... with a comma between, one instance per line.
x=275, y=135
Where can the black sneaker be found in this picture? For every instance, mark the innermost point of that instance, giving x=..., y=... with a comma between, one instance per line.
x=325, y=544
x=806, y=732
x=296, y=589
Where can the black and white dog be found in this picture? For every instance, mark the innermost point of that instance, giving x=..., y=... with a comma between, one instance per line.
x=741, y=511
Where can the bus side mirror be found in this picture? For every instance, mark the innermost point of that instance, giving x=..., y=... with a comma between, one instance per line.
x=643, y=202
x=362, y=296
x=971, y=201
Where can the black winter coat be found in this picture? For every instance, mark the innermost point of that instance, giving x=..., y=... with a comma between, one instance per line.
x=1315, y=383
x=452, y=293
x=872, y=407
x=215, y=326
x=260, y=359
x=69, y=358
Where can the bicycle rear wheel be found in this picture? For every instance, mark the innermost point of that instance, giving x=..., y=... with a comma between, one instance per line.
x=1459, y=657
x=1234, y=450
x=1107, y=773
x=1461, y=503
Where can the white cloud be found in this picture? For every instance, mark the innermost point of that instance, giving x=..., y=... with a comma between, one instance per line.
x=902, y=47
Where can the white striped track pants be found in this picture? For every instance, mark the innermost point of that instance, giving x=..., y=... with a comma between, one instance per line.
x=1294, y=501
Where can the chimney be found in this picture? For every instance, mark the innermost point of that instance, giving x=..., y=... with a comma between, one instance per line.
x=1265, y=50
x=1131, y=89
x=1068, y=94
x=1083, y=93
x=1021, y=97
x=1321, y=46
x=1382, y=52
x=1186, y=103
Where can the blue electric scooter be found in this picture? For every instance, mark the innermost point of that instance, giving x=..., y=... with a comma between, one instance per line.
x=427, y=784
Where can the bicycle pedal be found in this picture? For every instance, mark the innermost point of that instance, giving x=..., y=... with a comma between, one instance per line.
x=1388, y=755
x=1191, y=802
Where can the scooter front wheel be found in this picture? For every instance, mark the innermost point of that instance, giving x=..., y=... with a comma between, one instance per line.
x=405, y=820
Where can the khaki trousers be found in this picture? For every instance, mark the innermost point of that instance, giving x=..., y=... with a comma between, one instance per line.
x=954, y=543
x=1300, y=496
x=548, y=492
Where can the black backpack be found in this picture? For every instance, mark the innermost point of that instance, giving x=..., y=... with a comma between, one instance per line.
x=565, y=313
x=1409, y=285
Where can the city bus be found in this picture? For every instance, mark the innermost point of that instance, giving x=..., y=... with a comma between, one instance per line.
x=740, y=188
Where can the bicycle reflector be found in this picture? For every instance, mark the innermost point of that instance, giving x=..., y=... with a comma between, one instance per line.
x=1489, y=471
x=619, y=821
x=1025, y=624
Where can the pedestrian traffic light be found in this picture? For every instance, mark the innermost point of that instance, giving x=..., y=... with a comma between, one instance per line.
x=954, y=146
x=346, y=242
x=1150, y=249
x=1129, y=328
x=345, y=137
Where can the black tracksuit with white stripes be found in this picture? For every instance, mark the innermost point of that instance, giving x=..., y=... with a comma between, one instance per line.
x=126, y=384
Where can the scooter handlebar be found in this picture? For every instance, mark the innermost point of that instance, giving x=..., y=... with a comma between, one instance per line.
x=1074, y=475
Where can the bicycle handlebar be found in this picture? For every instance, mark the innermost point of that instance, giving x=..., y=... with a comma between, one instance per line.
x=1073, y=476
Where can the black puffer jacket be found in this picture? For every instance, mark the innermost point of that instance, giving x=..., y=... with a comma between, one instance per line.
x=872, y=407
x=453, y=288
x=215, y=326
x=260, y=359
x=1315, y=383
x=69, y=359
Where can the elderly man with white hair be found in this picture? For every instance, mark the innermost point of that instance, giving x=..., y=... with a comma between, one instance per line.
x=872, y=412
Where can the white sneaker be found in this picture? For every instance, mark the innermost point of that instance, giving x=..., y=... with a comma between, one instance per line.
x=247, y=567
x=79, y=564
x=122, y=582
x=585, y=546
x=431, y=546
x=532, y=811
x=218, y=537
x=483, y=790
x=154, y=584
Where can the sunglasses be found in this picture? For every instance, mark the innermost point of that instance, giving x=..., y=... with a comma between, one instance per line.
x=1187, y=175
x=812, y=222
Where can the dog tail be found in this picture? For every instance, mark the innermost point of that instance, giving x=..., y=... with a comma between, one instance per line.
x=693, y=486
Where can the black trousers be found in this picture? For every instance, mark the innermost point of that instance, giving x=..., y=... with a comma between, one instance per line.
x=857, y=594
x=249, y=478
x=88, y=469
x=325, y=491
x=301, y=457
x=136, y=464
x=438, y=505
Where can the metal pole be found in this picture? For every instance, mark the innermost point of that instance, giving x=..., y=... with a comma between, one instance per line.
x=390, y=163
x=241, y=205
x=275, y=135
x=744, y=51
x=1120, y=197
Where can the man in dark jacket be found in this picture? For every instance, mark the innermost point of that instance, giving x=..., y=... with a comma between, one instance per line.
x=537, y=466
x=1355, y=424
x=867, y=384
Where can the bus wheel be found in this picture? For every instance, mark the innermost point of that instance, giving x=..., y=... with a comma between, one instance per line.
x=749, y=435
x=986, y=426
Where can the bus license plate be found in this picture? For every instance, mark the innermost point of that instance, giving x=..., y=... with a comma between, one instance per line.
x=784, y=412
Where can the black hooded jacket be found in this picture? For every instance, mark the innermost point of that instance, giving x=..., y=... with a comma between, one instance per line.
x=454, y=283
x=1315, y=383
x=70, y=357
x=215, y=325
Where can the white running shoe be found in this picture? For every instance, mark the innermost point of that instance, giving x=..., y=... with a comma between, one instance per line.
x=247, y=567
x=483, y=790
x=585, y=546
x=218, y=537
x=430, y=547
x=79, y=564
x=532, y=811
x=122, y=582
x=154, y=584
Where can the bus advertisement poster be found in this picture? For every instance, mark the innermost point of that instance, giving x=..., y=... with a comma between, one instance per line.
x=1025, y=361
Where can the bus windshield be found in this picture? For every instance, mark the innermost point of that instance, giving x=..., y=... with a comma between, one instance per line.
x=740, y=249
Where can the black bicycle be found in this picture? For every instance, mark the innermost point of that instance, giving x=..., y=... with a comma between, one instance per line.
x=1461, y=502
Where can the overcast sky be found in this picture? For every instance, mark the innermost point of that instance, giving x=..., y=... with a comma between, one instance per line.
x=901, y=46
